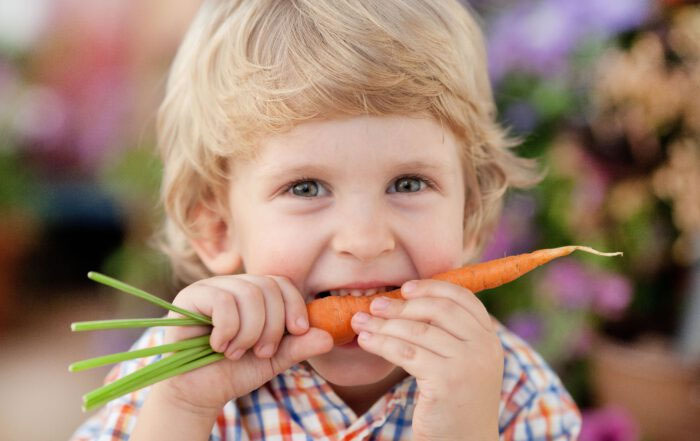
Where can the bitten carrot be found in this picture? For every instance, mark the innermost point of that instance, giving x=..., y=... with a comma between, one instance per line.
x=333, y=313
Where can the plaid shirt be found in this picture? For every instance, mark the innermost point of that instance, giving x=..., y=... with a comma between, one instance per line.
x=300, y=405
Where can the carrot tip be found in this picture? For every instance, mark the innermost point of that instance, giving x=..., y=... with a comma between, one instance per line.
x=599, y=253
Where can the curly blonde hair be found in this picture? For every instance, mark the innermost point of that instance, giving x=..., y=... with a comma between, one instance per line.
x=252, y=68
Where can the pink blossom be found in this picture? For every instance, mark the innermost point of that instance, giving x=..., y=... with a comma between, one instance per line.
x=568, y=283
x=610, y=423
x=613, y=294
x=573, y=286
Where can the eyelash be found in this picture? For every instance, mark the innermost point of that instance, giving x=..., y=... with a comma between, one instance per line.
x=428, y=182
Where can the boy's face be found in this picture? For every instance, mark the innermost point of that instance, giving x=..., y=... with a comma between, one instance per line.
x=376, y=199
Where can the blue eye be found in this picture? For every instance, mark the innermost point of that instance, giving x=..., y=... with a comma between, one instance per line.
x=409, y=184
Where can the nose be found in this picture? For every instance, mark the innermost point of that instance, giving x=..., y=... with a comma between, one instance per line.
x=363, y=232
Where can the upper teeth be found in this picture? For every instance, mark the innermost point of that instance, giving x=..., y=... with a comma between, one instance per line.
x=357, y=292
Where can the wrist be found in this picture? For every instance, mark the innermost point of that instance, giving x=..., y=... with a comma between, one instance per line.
x=167, y=398
x=162, y=415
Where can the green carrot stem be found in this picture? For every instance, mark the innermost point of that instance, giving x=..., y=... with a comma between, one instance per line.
x=117, y=284
x=203, y=359
x=90, y=363
x=146, y=370
x=140, y=381
x=98, y=325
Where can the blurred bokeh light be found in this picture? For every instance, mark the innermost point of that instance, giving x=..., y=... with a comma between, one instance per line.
x=604, y=93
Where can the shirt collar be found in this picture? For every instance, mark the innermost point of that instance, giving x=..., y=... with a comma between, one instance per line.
x=402, y=394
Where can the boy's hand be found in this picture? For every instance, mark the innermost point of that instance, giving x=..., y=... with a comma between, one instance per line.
x=442, y=335
x=249, y=315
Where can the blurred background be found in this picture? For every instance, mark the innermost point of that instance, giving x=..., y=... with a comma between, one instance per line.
x=605, y=93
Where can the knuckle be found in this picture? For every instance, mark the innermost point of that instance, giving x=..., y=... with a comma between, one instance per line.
x=250, y=290
x=419, y=329
x=246, y=340
x=198, y=285
x=224, y=299
x=177, y=301
x=273, y=331
x=444, y=306
x=407, y=352
x=279, y=281
x=282, y=279
x=268, y=284
x=182, y=294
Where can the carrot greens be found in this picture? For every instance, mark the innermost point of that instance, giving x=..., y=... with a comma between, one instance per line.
x=186, y=354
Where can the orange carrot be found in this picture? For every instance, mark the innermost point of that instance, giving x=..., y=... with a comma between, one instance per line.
x=333, y=313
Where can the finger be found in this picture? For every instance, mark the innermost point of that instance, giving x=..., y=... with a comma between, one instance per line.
x=251, y=311
x=250, y=306
x=217, y=303
x=294, y=349
x=418, y=333
x=441, y=312
x=296, y=315
x=439, y=288
x=273, y=329
x=197, y=297
x=417, y=361
x=177, y=333
x=224, y=317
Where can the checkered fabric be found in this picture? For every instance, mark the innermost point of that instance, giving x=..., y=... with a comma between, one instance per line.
x=300, y=405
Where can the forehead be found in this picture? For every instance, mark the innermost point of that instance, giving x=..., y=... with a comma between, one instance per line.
x=359, y=143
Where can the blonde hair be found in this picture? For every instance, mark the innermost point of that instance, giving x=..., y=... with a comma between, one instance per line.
x=251, y=68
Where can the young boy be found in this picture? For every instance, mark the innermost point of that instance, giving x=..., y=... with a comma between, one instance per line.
x=327, y=147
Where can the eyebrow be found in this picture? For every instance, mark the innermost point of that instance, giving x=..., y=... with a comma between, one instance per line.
x=276, y=171
x=423, y=165
x=318, y=169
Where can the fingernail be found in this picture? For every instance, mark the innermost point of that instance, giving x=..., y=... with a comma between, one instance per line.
x=238, y=353
x=364, y=336
x=360, y=317
x=409, y=286
x=302, y=323
x=266, y=351
x=380, y=304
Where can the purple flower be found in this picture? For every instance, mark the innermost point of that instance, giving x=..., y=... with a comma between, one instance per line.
x=101, y=116
x=608, y=424
x=526, y=325
x=613, y=294
x=530, y=37
x=573, y=286
x=605, y=17
x=568, y=283
x=42, y=118
x=538, y=36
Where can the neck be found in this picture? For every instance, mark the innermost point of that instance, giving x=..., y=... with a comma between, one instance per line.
x=361, y=398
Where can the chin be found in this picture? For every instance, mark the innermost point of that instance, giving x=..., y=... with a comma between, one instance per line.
x=351, y=366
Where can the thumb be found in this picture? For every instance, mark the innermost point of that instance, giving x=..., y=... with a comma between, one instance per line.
x=296, y=348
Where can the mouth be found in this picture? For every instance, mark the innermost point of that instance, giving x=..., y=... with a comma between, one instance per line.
x=355, y=292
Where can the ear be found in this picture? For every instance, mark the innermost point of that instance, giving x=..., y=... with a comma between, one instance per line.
x=213, y=241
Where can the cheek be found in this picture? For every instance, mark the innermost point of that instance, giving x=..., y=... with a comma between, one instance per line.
x=438, y=261
x=276, y=249
x=440, y=247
